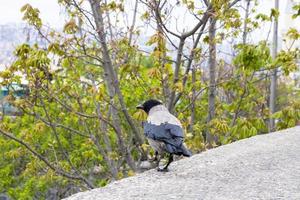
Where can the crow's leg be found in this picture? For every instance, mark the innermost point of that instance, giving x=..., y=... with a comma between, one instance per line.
x=169, y=161
x=165, y=169
x=158, y=158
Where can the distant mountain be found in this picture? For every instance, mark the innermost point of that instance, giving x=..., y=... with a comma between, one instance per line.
x=12, y=35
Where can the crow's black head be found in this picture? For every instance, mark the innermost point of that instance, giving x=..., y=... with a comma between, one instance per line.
x=147, y=105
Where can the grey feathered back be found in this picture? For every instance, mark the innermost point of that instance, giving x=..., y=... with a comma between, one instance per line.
x=164, y=127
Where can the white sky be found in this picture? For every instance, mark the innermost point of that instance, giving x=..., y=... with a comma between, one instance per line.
x=50, y=11
x=52, y=14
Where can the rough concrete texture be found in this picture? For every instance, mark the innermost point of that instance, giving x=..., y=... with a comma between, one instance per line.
x=261, y=167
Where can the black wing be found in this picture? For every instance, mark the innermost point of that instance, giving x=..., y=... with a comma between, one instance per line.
x=162, y=131
x=170, y=134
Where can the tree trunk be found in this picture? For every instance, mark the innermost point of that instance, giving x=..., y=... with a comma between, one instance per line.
x=111, y=163
x=212, y=77
x=193, y=107
x=176, y=72
x=245, y=32
x=273, y=85
x=113, y=83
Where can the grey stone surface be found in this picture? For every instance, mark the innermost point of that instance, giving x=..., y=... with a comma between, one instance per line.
x=261, y=167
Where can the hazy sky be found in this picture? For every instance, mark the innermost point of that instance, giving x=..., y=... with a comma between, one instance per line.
x=49, y=11
x=52, y=14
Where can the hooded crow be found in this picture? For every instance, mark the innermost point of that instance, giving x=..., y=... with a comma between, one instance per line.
x=163, y=131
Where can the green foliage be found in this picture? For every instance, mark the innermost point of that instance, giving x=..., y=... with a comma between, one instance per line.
x=189, y=3
x=287, y=60
x=262, y=17
x=231, y=19
x=293, y=34
x=297, y=9
x=274, y=14
x=72, y=118
x=288, y=117
x=31, y=15
x=70, y=27
x=252, y=57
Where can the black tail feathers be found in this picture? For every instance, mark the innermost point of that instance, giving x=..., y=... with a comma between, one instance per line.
x=185, y=151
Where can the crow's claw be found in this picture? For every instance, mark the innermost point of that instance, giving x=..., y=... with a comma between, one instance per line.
x=162, y=170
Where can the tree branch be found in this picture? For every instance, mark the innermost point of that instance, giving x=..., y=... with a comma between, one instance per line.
x=42, y=158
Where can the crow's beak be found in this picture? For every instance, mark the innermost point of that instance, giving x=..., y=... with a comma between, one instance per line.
x=140, y=107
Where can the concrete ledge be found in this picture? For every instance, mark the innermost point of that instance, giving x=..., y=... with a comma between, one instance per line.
x=261, y=167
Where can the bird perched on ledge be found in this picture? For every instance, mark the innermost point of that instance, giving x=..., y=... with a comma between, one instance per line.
x=163, y=131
